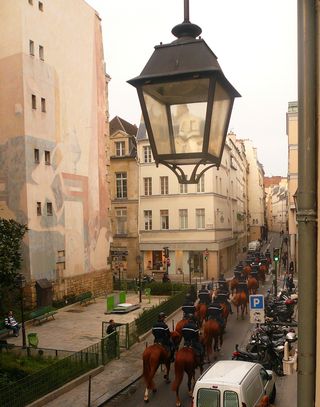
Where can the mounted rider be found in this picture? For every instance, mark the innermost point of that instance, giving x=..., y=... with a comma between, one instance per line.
x=188, y=307
x=161, y=333
x=214, y=311
x=223, y=298
x=222, y=283
x=204, y=295
x=191, y=337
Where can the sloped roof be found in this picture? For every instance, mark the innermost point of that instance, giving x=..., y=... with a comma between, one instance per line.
x=118, y=124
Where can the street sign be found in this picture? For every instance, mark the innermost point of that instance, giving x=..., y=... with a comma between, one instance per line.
x=256, y=306
x=256, y=302
x=257, y=317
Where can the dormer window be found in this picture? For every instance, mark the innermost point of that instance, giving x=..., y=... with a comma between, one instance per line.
x=120, y=148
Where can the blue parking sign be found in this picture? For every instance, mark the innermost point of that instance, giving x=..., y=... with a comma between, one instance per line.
x=256, y=302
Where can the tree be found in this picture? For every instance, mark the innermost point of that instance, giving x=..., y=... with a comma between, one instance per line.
x=11, y=235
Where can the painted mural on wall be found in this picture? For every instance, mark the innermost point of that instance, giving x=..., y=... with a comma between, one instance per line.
x=61, y=192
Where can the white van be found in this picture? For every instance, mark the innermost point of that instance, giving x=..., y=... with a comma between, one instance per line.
x=234, y=383
x=254, y=246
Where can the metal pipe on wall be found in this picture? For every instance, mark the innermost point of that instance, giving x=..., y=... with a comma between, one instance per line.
x=307, y=197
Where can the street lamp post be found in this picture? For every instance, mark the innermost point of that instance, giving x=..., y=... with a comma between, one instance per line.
x=138, y=261
x=21, y=283
x=186, y=102
x=206, y=254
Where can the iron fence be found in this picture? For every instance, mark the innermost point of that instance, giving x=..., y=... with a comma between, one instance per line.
x=36, y=385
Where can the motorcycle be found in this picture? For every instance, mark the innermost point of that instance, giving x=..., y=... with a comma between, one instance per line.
x=268, y=354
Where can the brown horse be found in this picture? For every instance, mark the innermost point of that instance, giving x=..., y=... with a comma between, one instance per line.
x=264, y=402
x=176, y=335
x=153, y=356
x=262, y=272
x=186, y=361
x=233, y=284
x=212, y=331
x=201, y=311
x=253, y=285
x=247, y=270
x=240, y=300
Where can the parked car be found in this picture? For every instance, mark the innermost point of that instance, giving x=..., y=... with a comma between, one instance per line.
x=238, y=382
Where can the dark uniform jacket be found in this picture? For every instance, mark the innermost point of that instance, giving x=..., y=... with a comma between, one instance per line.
x=214, y=310
x=223, y=297
x=190, y=333
x=188, y=308
x=161, y=333
x=204, y=296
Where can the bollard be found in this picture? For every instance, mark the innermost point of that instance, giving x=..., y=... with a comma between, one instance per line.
x=89, y=392
x=286, y=351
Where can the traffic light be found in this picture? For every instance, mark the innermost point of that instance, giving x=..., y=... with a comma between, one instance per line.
x=276, y=254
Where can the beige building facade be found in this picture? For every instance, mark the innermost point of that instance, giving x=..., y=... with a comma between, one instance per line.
x=277, y=206
x=203, y=225
x=124, y=190
x=292, y=133
x=53, y=132
x=255, y=192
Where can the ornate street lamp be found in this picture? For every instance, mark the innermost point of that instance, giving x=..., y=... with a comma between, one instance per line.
x=20, y=282
x=186, y=103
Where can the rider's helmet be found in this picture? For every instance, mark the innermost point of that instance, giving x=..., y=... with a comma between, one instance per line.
x=162, y=316
x=188, y=297
x=190, y=317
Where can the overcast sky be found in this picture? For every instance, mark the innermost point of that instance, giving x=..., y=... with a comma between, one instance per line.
x=256, y=45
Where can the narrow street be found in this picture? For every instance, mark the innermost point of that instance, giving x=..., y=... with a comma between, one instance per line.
x=238, y=332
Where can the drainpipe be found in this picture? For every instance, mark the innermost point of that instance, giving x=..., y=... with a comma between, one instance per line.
x=307, y=197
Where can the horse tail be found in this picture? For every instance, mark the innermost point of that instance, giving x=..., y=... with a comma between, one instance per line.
x=178, y=371
x=146, y=368
x=150, y=366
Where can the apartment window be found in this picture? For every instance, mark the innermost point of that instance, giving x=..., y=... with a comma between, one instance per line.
x=200, y=184
x=43, y=105
x=121, y=185
x=183, y=218
x=147, y=220
x=147, y=154
x=41, y=52
x=30, y=2
x=164, y=185
x=183, y=188
x=147, y=182
x=40, y=6
x=121, y=221
x=49, y=209
x=164, y=219
x=31, y=47
x=36, y=155
x=120, y=148
x=38, y=208
x=200, y=218
x=47, y=158
x=34, y=101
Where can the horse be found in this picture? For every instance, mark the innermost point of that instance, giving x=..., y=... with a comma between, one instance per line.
x=262, y=272
x=212, y=331
x=240, y=300
x=201, y=312
x=185, y=361
x=152, y=357
x=253, y=285
x=233, y=284
x=247, y=270
x=176, y=335
x=264, y=402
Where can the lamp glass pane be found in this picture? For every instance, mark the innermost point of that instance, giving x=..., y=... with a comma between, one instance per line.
x=186, y=102
x=188, y=122
x=220, y=114
x=159, y=124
